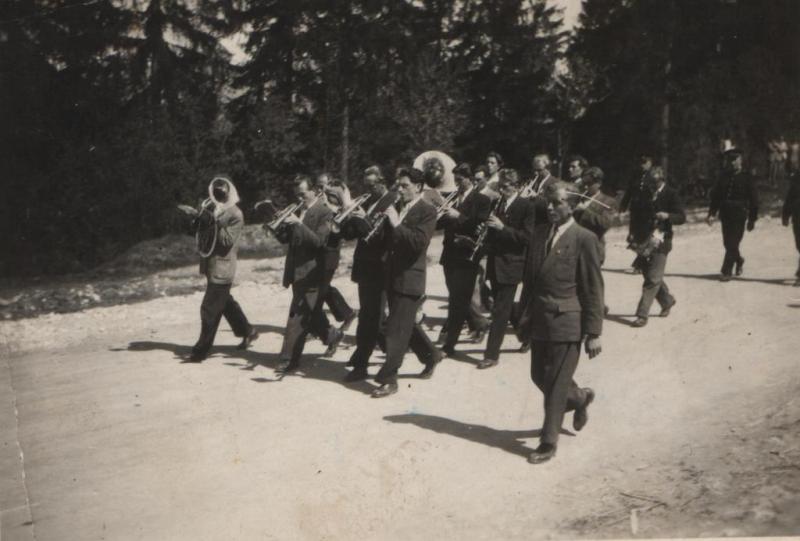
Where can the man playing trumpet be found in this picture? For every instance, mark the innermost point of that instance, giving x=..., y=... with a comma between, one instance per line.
x=304, y=270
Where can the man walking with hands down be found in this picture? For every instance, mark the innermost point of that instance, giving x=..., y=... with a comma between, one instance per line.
x=736, y=200
x=565, y=309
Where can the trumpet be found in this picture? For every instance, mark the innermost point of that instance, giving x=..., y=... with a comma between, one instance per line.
x=377, y=226
x=484, y=231
x=278, y=220
x=447, y=204
x=345, y=212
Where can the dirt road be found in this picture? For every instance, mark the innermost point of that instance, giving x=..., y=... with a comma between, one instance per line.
x=695, y=430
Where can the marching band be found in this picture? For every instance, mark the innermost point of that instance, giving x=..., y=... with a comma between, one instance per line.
x=544, y=233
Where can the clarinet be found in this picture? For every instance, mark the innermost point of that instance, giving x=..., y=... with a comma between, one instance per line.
x=484, y=231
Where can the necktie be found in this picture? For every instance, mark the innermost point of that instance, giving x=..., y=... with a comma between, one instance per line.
x=550, y=240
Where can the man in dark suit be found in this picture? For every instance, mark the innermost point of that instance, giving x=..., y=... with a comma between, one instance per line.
x=337, y=195
x=220, y=269
x=791, y=211
x=410, y=233
x=635, y=198
x=736, y=200
x=368, y=270
x=460, y=223
x=510, y=229
x=565, y=308
x=304, y=270
x=651, y=232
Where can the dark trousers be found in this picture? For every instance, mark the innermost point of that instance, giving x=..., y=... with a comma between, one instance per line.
x=553, y=365
x=305, y=316
x=401, y=333
x=460, y=280
x=218, y=302
x=732, y=234
x=654, y=286
x=503, y=295
x=339, y=308
x=796, y=230
x=371, y=319
x=476, y=321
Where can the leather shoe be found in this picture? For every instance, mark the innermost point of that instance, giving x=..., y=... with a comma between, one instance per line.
x=333, y=345
x=477, y=335
x=487, y=363
x=725, y=278
x=640, y=322
x=542, y=454
x=430, y=368
x=247, y=340
x=739, y=265
x=356, y=375
x=447, y=351
x=525, y=347
x=285, y=367
x=348, y=321
x=581, y=415
x=196, y=358
x=384, y=390
x=665, y=311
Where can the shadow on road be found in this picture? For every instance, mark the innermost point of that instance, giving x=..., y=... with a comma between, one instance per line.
x=506, y=440
x=714, y=277
x=620, y=318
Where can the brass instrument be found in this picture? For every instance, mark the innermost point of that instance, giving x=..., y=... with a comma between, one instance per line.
x=342, y=215
x=447, y=204
x=205, y=222
x=278, y=220
x=377, y=225
x=484, y=231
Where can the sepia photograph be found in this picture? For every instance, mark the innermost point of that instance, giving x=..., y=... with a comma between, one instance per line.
x=399, y=270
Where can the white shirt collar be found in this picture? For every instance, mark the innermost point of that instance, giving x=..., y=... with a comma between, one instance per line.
x=408, y=206
x=560, y=231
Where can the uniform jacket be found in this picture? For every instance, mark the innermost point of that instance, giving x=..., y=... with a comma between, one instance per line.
x=307, y=241
x=407, y=247
x=636, y=188
x=735, y=197
x=566, y=285
x=368, y=257
x=473, y=211
x=506, y=255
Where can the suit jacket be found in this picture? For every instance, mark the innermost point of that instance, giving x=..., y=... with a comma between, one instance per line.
x=643, y=222
x=406, y=257
x=566, y=301
x=596, y=218
x=791, y=205
x=735, y=197
x=473, y=211
x=305, y=260
x=220, y=266
x=368, y=257
x=507, y=247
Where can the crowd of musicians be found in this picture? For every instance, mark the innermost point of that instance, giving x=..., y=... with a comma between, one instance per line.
x=543, y=236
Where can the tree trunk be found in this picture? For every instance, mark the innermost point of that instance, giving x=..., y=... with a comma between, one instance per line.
x=345, y=141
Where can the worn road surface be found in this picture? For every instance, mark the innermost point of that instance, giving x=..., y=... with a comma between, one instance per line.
x=695, y=431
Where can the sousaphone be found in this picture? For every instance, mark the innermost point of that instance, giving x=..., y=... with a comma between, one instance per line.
x=448, y=183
